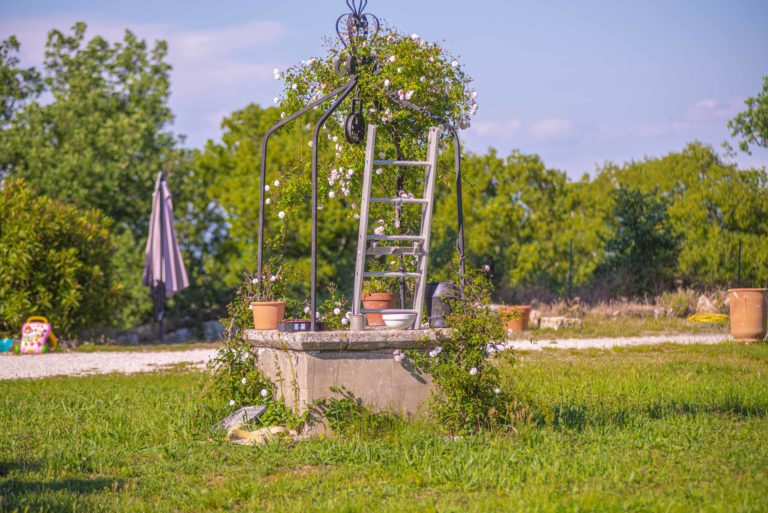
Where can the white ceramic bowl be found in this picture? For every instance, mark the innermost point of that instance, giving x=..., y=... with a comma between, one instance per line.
x=398, y=321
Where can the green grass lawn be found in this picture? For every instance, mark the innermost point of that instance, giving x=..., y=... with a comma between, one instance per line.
x=595, y=327
x=666, y=428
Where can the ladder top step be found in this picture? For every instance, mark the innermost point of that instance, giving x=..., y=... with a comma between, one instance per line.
x=401, y=163
x=399, y=200
x=386, y=311
x=416, y=238
x=393, y=274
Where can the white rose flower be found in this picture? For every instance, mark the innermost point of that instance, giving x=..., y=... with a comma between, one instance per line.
x=276, y=71
x=399, y=70
x=335, y=138
x=348, y=315
x=266, y=188
x=282, y=115
x=276, y=100
x=281, y=214
x=386, y=82
x=294, y=86
x=310, y=143
x=273, y=278
x=414, y=36
x=474, y=94
x=392, y=59
x=455, y=64
x=306, y=309
x=381, y=153
x=497, y=391
x=267, y=201
x=379, y=171
x=276, y=183
x=473, y=371
x=344, y=321
x=231, y=402
x=331, y=194
x=379, y=230
x=336, y=311
x=242, y=381
x=255, y=281
x=264, y=392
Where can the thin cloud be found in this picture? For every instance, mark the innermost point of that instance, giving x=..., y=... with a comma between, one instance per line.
x=550, y=129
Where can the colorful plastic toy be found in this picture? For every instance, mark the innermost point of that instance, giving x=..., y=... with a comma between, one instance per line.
x=35, y=335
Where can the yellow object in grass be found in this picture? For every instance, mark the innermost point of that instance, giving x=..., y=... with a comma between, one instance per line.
x=708, y=318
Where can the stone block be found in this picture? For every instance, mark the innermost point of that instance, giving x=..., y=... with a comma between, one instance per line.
x=557, y=323
x=304, y=367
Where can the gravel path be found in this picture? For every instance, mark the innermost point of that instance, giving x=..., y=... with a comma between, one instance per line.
x=78, y=364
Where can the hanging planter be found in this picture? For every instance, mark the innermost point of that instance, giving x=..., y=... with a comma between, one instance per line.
x=749, y=314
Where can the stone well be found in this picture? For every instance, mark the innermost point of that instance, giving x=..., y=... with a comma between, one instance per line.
x=305, y=365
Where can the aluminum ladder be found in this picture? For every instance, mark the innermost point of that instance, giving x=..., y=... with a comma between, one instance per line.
x=419, y=246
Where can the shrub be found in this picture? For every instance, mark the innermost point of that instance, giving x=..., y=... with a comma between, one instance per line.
x=468, y=395
x=680, y=302
x=55, y=260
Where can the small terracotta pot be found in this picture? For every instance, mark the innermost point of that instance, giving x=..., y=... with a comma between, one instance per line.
x=749, y=314
x=267, y=313
x=378, y=300
x=516, y=325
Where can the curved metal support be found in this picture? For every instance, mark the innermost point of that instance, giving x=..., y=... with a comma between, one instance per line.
x=313, y=284
x=264, y=143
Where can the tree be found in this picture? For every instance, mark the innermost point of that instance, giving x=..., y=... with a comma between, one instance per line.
x=642, y=251
x=56, y=261
x=17, y=85
x=752, y=124
x=104, y=136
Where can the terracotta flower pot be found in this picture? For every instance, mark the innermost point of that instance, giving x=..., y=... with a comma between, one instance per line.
x=749, y=314
x=513, y=324
x=378, y=300
x=267, y=313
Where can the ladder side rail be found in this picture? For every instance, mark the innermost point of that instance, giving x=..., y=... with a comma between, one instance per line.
x=426, y=223
x=362, y=237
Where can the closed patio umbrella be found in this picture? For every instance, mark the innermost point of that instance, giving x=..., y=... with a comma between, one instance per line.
x=164, y=271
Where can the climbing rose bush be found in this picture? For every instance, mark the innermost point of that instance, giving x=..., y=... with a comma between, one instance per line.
x=409, y=71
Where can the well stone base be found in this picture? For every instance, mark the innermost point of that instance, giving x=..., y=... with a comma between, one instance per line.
x=304, y=366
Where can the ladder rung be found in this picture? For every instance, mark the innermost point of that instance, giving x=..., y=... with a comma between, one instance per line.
x=395, y=251
x=415, y=238
x=399, y=200
x=401, y=163
x=386, y=311
x=393, y=274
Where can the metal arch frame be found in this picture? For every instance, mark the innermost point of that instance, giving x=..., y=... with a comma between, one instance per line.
x=344, y=91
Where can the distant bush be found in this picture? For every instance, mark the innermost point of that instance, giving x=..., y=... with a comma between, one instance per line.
x=680, y=302
x=55, y=260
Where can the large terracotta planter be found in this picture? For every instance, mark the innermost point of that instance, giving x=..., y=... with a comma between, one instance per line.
x=267, y=313
x=379, y=301
x=749, y=314
x=516, y=325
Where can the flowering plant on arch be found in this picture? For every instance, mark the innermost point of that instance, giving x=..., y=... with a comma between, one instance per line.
x=397, y=72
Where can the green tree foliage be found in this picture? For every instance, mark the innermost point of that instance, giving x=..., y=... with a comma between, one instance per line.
x=55, y=260
x=17, y=85
x=642, y=252
x=752, y=124
x=712, y=205
x=103, y=139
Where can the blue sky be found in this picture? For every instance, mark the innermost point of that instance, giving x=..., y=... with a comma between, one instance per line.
x=579, y=83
